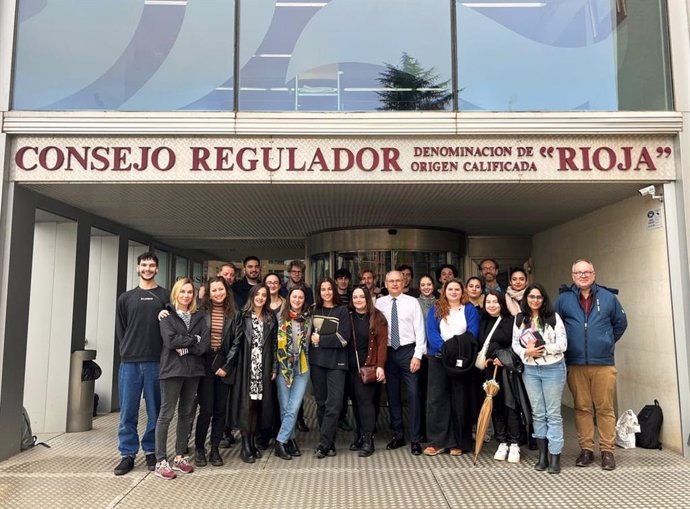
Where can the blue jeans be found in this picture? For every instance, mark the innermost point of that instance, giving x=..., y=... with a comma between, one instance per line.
x=133, y=379
x=290, y=399
x=544, y=384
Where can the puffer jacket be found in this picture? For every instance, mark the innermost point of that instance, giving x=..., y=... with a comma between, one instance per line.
x=591, y=339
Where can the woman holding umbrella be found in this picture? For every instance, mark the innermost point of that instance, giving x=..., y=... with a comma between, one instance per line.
x=539, y=339
x=496, y=333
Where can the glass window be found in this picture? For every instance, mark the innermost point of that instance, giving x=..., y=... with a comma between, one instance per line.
x=181, y=267
x=354, y=55
x=128, y=55
x=561, y=55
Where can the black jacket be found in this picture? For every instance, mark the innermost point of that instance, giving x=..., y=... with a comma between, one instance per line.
x=241, y=359
x=331, y=352
x=233, y=334
x=175, y=335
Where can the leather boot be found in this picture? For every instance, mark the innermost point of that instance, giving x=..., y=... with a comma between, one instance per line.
x=247, y=454
x=357, y=444
x=367, y=448
x=215, y=458
x=554, y=463
x=280, y=451
x=543, y=462
x=255, y=449
x=293, y=448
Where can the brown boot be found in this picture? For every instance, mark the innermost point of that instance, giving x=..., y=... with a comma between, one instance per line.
x=585, y=458
x=607, y=460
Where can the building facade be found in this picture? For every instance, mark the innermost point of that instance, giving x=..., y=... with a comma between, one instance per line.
x=354, y=133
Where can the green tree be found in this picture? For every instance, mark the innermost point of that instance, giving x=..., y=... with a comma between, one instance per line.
x=411, y=87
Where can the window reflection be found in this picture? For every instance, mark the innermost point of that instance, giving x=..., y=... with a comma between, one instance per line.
x=336, y=55
x=561, y=55
x=129, y=55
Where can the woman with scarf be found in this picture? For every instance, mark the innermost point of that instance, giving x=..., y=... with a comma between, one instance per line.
x=250, y=399
x=516, y=290
x=427, y=293
x=292, y=349
x=369, y=347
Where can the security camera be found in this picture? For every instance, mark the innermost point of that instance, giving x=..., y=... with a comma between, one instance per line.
x=651, y=191
x=647, y=191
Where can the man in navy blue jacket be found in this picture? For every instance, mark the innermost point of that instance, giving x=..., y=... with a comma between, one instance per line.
x=594, y=322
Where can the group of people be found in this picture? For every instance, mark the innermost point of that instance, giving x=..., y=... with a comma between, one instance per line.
x=244, y=351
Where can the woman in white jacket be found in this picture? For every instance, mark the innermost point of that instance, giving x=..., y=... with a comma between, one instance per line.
x=539, y=339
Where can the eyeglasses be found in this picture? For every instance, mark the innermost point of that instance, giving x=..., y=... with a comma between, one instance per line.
x=535, y=297
x=583, y=273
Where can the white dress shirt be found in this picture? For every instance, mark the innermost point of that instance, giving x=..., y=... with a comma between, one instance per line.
x=410, y=321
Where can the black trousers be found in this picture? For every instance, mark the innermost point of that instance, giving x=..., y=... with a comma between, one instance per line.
x=507, y=423
x=449, y=408
x=398, y=373
x=329, y=386
x=212, y=395
x=364, y=404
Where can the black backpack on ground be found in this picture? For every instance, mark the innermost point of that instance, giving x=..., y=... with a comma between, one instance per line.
x=28, y=438
x=650, y=419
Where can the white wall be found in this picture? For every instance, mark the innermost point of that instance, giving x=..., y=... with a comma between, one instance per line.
x=50, y=326
x=628, y=256
x=100, y=312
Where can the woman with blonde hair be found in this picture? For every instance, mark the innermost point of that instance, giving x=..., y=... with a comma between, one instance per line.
x=185, y=341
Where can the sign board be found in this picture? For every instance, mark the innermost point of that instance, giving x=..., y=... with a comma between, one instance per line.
x=338, y=159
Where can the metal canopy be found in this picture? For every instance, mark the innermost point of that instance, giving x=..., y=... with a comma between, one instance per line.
x=229, y=221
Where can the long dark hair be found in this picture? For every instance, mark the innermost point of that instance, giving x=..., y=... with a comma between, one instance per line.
x=228, y=306
x=317, y=294
x=546, y=312
x=501, y=302
x=266, y=314
x=285, y=313
x=374, y=314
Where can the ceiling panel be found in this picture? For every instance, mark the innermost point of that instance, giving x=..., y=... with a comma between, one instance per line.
x=232, y=220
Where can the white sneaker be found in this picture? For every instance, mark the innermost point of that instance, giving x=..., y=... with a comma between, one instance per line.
x=514, y=454
x=164, y=471
x=502, y=452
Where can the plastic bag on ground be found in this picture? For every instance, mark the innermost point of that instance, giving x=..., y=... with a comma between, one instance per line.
x=626, y=427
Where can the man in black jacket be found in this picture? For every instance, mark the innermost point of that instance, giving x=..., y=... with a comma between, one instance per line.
x=252, y=276
x=138, y=333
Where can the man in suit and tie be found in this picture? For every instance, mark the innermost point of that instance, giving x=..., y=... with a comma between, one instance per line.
x=406, y=345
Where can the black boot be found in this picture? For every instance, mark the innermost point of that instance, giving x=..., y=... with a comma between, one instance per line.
x=200, y=458
x=357, y=444
x=280, y=451
x=543, y=463
x=293, y=448
x=247, y=454
x=367, y=448
x=554, y=463
x=215, y=458
x=255, y=449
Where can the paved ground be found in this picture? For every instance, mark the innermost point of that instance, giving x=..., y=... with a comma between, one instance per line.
x=77, y=472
